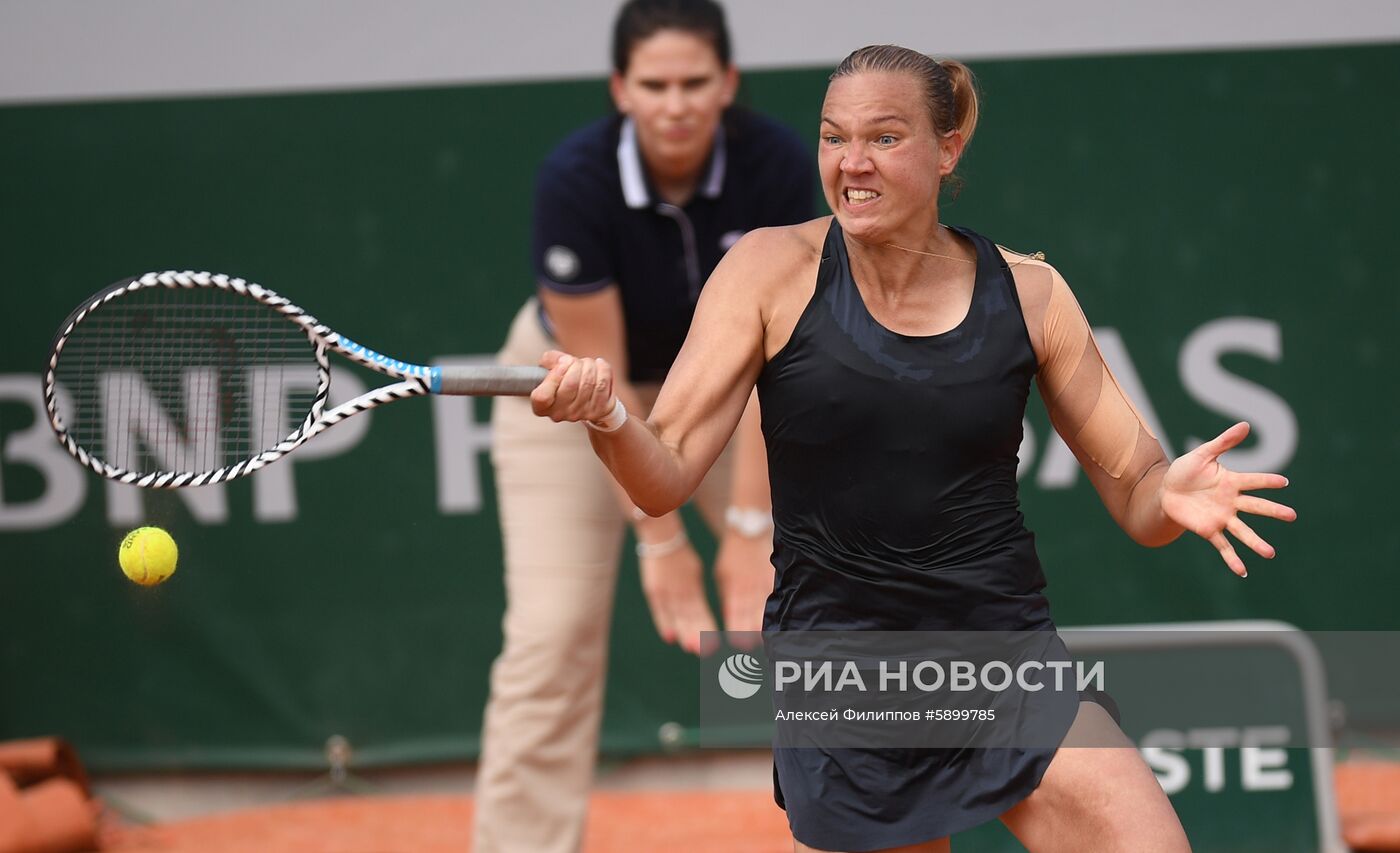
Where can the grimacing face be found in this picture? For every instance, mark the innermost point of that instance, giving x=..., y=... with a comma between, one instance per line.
x=881, y=160
x=675, y=90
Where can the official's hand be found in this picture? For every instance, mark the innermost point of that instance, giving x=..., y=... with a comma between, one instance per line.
x=744, y=574
x=675, y=591
x=575, y=389
x=1206, y=498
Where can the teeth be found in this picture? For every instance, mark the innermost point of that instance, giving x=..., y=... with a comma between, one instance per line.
x=861, y=195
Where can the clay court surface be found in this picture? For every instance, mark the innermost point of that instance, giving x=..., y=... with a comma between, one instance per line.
x=737, y=821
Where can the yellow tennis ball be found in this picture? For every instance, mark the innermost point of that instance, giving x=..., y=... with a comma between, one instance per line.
x=148, y=555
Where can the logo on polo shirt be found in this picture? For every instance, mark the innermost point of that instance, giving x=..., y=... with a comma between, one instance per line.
x=728, y=239
x=561, y=262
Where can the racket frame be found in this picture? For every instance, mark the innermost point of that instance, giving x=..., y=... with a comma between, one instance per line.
x=416, y=380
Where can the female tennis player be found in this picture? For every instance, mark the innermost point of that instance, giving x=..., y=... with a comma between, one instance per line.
x=631, y=215
x=893, y=356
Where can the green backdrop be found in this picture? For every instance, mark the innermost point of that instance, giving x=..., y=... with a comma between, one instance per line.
x=1175, y=192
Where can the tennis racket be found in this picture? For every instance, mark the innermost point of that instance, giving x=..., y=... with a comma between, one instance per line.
x=175, y=379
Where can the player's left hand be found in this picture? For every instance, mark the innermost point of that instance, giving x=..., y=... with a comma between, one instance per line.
x=744, y=575
x=1206, y=498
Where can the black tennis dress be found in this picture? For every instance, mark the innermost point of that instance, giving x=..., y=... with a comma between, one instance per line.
x=892, y=460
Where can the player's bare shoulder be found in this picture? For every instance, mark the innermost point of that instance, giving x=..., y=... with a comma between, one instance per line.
x=770, y=257
x=778, y=267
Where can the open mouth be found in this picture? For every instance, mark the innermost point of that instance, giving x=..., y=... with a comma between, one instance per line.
x=857, y=197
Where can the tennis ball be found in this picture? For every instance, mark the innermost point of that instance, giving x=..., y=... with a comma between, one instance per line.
x=148, y=555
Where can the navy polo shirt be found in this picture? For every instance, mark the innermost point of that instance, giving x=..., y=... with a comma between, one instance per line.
x=598, y=222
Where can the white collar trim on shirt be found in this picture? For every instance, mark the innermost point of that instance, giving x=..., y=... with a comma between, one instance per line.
x=634, y=184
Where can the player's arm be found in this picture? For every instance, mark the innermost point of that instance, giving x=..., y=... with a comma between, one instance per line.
x=743, y=563
x=789, y=202
x=591, y=325
x=1088, y=409
x=1153, y=499
x=661, y=461
x=576, y=275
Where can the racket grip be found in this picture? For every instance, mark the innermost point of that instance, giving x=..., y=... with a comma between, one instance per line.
x=493, y=381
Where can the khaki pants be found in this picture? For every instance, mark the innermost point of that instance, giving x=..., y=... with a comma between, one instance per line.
x=563, y=532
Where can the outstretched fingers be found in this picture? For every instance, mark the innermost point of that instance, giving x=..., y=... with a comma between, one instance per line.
x=1246, y=535
x=1206, y=497
x=1266, y=508
x=1227, y=553
x=1252, y=482
x=1225, y=441
x=1245, y=503
x=1251, y=540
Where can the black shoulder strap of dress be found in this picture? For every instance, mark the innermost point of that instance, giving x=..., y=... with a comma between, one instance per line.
x=833, y=258
x=835, y=240
x=987, y=255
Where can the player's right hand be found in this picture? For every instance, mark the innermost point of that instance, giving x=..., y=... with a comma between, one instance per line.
x=575, y=389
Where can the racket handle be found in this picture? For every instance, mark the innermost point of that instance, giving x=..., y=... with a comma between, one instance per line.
x=494, y=381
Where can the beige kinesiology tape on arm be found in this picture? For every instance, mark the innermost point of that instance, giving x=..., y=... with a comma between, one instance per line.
x=1079, y=389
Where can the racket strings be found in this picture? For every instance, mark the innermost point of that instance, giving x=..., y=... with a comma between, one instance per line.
x=184, y=379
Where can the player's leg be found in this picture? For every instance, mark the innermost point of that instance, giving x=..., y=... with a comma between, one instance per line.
x=562, y=534
x=939, y=845
x=1101, y=798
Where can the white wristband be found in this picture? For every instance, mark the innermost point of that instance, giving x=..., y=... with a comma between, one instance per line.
x=661, y=549
x=612, y=421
